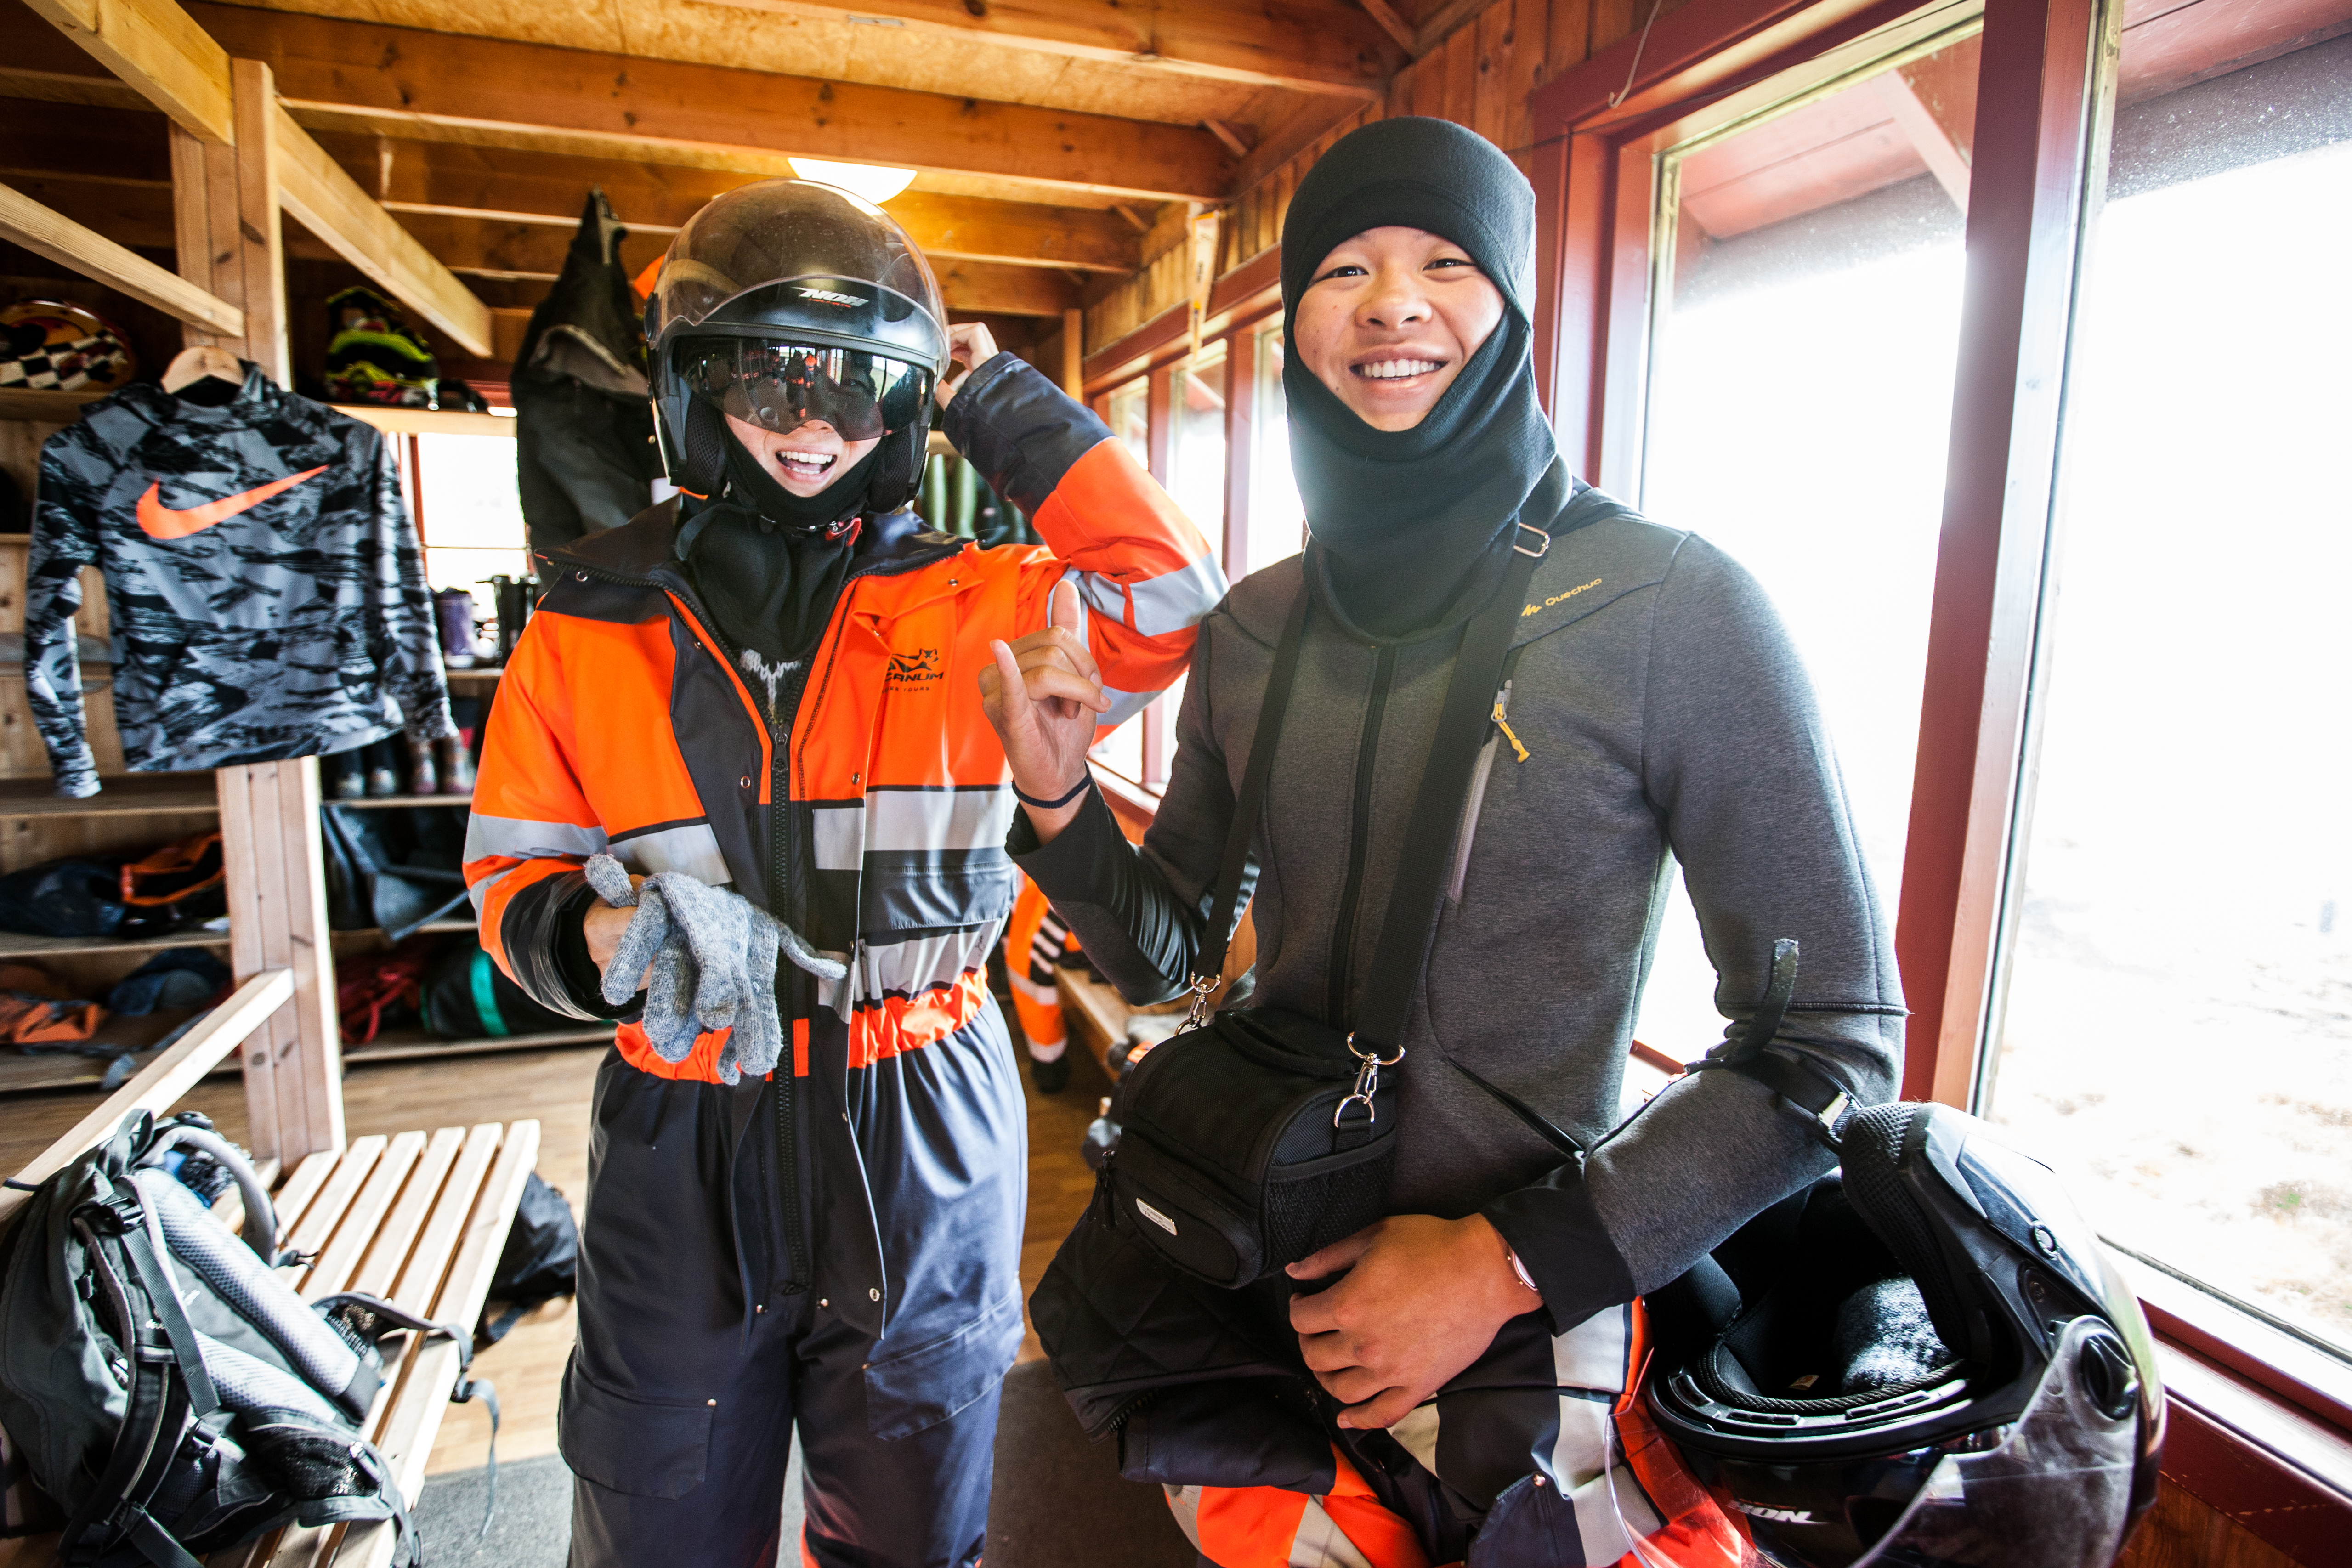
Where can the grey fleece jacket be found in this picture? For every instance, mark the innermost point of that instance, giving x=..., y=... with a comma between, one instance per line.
x=1665, y=711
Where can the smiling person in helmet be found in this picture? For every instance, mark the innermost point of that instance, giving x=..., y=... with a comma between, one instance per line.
x=766, y=685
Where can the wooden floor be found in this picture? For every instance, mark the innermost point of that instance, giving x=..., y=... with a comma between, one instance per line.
x=554, y=1086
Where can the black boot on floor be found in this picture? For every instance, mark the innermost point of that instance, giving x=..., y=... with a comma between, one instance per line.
x=1050, y=1076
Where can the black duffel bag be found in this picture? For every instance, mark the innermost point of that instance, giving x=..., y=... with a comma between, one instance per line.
x=1256, y=1136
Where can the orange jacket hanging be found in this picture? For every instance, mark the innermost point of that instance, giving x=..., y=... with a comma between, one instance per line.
x=876, y=825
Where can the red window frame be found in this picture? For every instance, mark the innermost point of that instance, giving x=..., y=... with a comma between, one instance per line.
x=1239, y=304
x=2260, y=1429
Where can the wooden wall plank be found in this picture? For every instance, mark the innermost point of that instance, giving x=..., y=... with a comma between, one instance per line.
x=1320, y=48
x=1491, y=70
x=1569, y=26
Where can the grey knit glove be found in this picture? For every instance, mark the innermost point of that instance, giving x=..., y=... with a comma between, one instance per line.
x=712, y=953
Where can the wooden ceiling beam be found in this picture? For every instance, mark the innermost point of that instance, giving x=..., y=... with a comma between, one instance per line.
x=328, y=202
x=138, y=212
x=535, y=251
x=537, y=187
x=1315, y=46
x=382, y=78
x=72, y=141
x=155, y=48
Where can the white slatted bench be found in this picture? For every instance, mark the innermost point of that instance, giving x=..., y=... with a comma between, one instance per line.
x=417, y=1218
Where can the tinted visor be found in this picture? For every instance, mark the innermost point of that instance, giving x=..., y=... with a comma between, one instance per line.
x=782, y=386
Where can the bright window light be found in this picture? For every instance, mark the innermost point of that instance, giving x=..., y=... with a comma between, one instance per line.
x=875, y=183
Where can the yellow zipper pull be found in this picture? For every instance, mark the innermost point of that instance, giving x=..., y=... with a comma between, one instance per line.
x=1505, y=725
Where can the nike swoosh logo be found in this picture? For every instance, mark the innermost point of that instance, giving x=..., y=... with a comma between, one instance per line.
x=162, y=522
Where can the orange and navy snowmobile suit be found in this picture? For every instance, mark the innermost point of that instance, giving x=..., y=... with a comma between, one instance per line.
x=860, y=795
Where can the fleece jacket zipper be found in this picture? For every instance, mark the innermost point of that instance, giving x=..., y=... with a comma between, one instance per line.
x=1359, y=830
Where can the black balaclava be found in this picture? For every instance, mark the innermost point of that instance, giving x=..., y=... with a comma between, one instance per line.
x=1415, y=524
x=767, y=562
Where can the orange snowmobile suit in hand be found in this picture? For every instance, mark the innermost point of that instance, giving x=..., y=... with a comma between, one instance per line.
x=861, y=796
x=1573, y=1474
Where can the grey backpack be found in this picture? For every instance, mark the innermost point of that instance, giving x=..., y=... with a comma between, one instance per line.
x=160, y=1381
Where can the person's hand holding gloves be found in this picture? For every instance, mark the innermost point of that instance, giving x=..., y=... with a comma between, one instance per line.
x=707, y=958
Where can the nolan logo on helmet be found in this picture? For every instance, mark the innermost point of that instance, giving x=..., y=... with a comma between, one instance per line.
x=848, y=301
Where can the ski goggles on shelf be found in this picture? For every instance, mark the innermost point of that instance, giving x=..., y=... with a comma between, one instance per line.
x=782, y=386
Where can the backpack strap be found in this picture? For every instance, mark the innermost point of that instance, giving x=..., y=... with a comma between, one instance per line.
x=158, y=1404
x=1411, y=924
x=1209, y=963
x=466, y=1390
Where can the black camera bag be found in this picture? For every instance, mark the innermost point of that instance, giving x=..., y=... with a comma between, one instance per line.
x=1255, y=1137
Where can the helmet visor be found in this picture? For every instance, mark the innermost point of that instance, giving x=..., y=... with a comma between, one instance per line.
x=2056, y=1493
x=782, y=386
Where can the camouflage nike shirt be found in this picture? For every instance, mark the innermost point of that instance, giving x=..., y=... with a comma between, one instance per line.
x=266, y=583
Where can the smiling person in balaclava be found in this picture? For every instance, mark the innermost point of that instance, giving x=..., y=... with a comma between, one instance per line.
x=1662, y=711
x=763, y=685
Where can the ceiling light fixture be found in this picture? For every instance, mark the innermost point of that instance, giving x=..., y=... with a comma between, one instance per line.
x=875, y=183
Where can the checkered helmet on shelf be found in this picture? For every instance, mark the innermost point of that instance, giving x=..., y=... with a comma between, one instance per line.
x=785, y=301
x=1925, y=1360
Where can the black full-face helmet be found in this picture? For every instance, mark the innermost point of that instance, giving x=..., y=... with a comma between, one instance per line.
x=784, y=302
x=1924, y=1361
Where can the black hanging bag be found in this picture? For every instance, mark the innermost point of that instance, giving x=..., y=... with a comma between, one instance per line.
x=1255, y=1137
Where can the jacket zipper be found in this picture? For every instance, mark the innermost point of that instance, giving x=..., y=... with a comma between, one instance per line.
x=1359, y=830
x=1500, y=732
x=783, y=851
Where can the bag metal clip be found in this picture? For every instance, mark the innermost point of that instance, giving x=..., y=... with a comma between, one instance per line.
x=1204, y=985
x=1368, y=1082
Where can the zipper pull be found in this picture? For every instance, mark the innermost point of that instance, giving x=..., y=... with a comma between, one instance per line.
x=1503, y=723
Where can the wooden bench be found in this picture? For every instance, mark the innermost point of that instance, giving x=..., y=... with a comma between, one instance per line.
x=417, y=1218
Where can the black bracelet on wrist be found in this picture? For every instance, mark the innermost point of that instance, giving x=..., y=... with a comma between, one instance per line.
x=1085, y=783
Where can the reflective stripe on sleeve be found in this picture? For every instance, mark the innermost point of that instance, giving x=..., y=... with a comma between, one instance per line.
x=690, y=849
x=513, y=838
x=1176, y=600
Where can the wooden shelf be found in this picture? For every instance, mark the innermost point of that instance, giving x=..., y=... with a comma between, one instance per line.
x=24, y=1074
x=477, y=673
x=13, y=945
x=430, y=929
x=414, y=1044
x=429, y=421
x=131, y=795
x=375, y=800
x=50, y=407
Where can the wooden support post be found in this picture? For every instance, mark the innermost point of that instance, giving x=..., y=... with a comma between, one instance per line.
x=224, y=206
x=225, y=203
x=1074, y=353
x=1241, y=448
x=277, y=920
